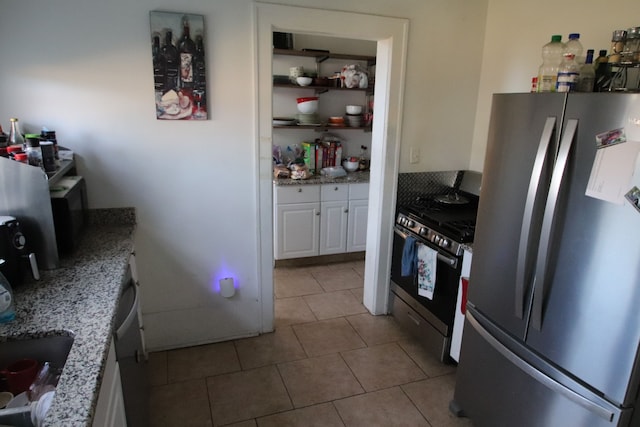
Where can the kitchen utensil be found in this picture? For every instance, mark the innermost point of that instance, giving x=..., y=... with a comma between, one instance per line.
x=304, y=81
x=354, y=109
x=350, y=166
x=20, y=375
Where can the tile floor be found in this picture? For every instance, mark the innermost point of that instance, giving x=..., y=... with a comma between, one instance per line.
x=329, y=363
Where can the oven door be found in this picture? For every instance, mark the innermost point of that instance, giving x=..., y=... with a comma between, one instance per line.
x=440, y=311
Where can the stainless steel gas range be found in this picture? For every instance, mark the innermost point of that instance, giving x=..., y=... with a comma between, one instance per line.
x=441, y=224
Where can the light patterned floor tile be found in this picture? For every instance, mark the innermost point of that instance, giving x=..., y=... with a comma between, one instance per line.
x=279, y=346
x=296, y=285
x=318, y=380
x=182, y=404
x=324, y=415
x=249, y=394
x=431, y=365
x=382, y=366
x=389, y=407
x=334, y=304
x=376, y=330
x=327, y=336
x=432, y=398
x=201, y=361
x=338, y=277
x=292, y=311
x=157, y=368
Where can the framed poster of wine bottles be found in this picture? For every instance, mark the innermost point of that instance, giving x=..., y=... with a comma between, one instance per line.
x=179, y=69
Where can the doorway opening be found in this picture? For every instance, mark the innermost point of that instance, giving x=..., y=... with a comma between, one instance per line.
x=390, y=35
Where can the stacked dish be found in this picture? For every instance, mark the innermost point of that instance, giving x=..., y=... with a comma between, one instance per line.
x=308, y=119
x=354, y=120
x=284, y=121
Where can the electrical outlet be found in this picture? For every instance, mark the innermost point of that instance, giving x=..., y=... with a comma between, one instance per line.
x=414, y=155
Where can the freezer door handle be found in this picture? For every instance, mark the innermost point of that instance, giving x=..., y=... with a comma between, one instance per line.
x=557, y=178
x=530, y=370
x=542, y=157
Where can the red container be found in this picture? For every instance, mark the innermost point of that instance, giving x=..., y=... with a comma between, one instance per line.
x=310, y=98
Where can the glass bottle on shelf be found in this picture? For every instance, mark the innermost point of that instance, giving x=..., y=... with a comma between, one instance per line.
x=15, y=136
x=158, y=65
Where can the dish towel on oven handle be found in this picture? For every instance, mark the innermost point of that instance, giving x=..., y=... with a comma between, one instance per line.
x=408, y=256
x=427, y=260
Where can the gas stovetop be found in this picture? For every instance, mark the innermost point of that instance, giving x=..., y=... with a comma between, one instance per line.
x=452, y=215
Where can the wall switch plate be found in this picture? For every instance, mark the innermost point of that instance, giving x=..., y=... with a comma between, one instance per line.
x=414, y=155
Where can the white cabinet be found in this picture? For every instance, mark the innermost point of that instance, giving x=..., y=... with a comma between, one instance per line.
x=334, y=210
x=110, y=407
x=458, y=322
x=357, y=220
x=297, y=221
x=312, y=220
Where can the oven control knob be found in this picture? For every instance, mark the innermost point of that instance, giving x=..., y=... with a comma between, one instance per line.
x=445, y=243
x=423, y=231
x=410, y=223
x=435, y=239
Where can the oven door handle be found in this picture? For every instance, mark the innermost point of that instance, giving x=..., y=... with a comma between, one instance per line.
x=450, y=261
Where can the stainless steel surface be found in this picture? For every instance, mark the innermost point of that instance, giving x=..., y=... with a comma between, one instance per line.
x=130, y=355
x=25, y=195
x=427, y=316
x=543, y=157
x=581, y=273
x=443, y=242
x=411, y=316
x=496, y=392
x=541, y=285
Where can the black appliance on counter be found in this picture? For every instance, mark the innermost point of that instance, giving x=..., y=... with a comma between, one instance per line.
x=15, y=252
x=443, y=222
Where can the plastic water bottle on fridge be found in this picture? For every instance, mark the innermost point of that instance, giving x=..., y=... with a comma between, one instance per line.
x=567, y=74
x=551, y=59
x=574, y=46
x=587, y=75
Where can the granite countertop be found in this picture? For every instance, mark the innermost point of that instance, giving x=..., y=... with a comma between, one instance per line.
x=351, y=178
x=79, y=299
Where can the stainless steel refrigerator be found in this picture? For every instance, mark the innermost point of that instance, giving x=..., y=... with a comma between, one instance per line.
x=552, y=330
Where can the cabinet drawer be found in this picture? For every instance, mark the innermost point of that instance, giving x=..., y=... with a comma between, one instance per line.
x=334, y=192
x=359, y=191
x=297, y=194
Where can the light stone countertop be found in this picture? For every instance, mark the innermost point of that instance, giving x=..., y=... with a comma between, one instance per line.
x=80, y=299
x=351, y=178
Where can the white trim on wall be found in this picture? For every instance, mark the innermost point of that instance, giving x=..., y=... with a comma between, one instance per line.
x=391, y=36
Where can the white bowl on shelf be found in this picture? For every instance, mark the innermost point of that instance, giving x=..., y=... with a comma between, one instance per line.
x=304, y=81
x=308, y=107
x=354, y=109
x=350, y=166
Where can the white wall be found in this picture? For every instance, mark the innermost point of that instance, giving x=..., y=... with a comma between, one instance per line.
x=515, y=34
x=84, y=69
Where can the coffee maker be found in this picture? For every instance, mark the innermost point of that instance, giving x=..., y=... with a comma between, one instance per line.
x=14, y=251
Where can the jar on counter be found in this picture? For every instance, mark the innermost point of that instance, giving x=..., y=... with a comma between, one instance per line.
x=33, y=151
x=618, y=40
x=631, y=52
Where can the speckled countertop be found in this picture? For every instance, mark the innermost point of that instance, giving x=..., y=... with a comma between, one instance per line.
x=80, y=299
x=351, y=178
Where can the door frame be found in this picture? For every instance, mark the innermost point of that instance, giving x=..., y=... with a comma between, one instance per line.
x=391, y=35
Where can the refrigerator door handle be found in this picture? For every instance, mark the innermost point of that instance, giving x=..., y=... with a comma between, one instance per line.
x=542, y=157
x=540, y=282
x=530, y=370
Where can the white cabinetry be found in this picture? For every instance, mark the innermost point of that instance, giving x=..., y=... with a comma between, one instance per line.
x=110, y=407
x=458, y=322
x=358, y=212
x=312, y=220
x=334, y=210
x=297, y=221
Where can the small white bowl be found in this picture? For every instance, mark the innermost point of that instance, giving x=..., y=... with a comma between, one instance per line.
x=354, y=109
x=308, y=107
x=304, y=81
x=350, y=166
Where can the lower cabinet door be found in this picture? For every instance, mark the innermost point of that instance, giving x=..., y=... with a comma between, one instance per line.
x=297, y=230
x=333, y=227
x=357, y=237
x=110, y=410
